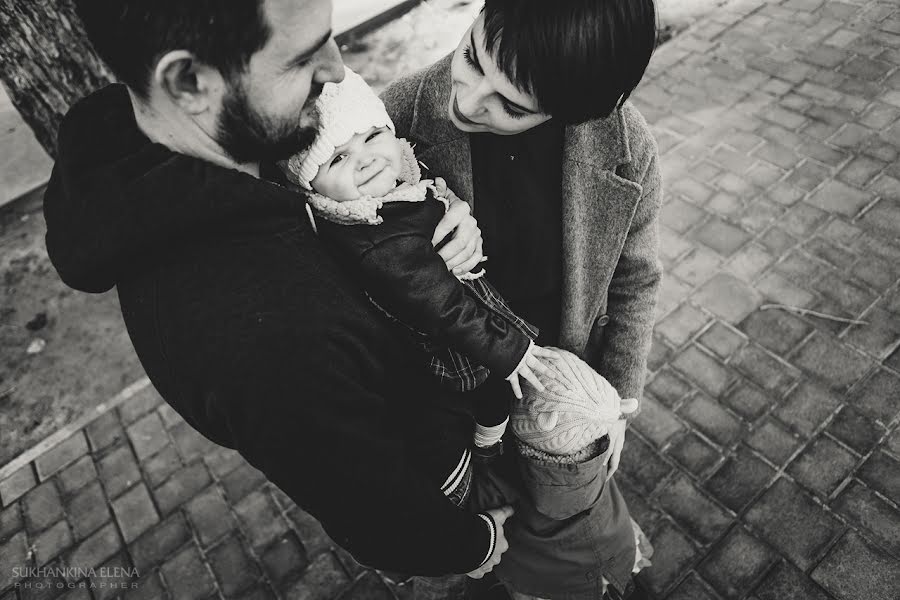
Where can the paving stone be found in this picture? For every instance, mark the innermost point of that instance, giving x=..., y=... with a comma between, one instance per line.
x=315, y=540
x=45, y=585
x=673, y=553
x=693, y=453
x=671, y=246
x=739, y=479
x=187, y=576
x=832, y=361
x=189, y=441
x=878, y=396
x=785, y=581
x=285, y=558
x=104, y=431
x=52, y=542
x=325, y=578
x=720, y=236
x=784, y=511
x=849, y=296
x=759, y=215
x=773, y=441
x=148, y=587
x=783, y=291
x=695, y=192
x=222, y=461
x=77, y=475
x=882, y=473
x=803, y=219
x=680, y=216
x=14, y=487
x=733, y=184
x=880, y=335
x=672, y=292
x=160, y=542
x=233, y=568
x=692, y=588
x=147, y=435
x=748, y=401
x=42, y=507
x=259, y=518
x=368, y=587
x=728, y=297
x=736, y=563
x=807, y=407
x=61, y=455
x=822, y=466
x=831, y=253
x=724, y=204
x=169, y=415
x=704, y=370
x=259, y=592
x=659, y=355
x=712, y=420
x=10, y=521
x=162, y=465
x=118, y=470
x=112, y=577
x=96, y=548
x=808, y=175
x=862, y=506
x=656, y=422
x=749, y=262
x=15, y=552
x=697, y=267
x=139, y=405
x=721, y=339
x=181, y=487
x=860, y=171
x=764, y=369
x=241, y=481
x=855, y=429
x=88, y=510
x=668, y=387
x=856, y=570
x=778, y=155
x=777, y=241
x=644, y=466
x=681, y=325
x=700, y=516
x=135, y=512
x=210, y=515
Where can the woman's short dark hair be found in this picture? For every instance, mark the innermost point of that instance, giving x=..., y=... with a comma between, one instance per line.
x=581, y=59
x=132, y=35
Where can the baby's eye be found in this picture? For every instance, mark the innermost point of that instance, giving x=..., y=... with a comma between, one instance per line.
x=337, y=159
x=374, y=134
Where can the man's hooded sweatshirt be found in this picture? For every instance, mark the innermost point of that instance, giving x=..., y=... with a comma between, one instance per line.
x=254, y=335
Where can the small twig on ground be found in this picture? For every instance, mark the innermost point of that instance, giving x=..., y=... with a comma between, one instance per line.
x=7, y=391
x=812, y=313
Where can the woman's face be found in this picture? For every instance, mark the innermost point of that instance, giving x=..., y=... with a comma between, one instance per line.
x=482, y=99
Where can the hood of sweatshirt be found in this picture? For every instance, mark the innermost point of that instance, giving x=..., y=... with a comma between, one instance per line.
x=117, y=201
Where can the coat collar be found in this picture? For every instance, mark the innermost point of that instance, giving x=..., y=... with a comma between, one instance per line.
x=602, y=143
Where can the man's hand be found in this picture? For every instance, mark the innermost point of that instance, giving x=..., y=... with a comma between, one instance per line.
x=464, y=251
x=531, y=367
x=500, y=515
x=617, y=437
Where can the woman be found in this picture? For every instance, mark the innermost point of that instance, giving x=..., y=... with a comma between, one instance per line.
x=528, y=122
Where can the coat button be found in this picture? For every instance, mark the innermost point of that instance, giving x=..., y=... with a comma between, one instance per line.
x=602, y=320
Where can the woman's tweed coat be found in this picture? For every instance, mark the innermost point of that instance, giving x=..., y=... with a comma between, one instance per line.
x=611, y=192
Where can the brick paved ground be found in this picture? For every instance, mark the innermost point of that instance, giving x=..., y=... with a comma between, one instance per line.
x=766, y=463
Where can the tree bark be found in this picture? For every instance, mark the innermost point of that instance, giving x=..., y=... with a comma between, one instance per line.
x=47, y=63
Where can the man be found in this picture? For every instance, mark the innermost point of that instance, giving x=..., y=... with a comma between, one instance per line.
x=242, y=322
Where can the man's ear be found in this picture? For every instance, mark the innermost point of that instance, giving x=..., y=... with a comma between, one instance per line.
x=188, y=82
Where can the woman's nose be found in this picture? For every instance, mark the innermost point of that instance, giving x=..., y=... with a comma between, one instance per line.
x=471, y=99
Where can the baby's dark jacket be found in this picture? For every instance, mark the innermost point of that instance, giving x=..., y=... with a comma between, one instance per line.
x=401, y=270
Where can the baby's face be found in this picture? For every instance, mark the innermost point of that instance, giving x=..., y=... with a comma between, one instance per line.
x=367, y=165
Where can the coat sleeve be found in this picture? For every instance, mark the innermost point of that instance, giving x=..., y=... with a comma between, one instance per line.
x=332, y=445
x=633, y=290
x=400, y=100
x=410, y=280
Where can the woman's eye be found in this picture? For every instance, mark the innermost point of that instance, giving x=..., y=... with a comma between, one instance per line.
x=467, y=54
x=513, y=113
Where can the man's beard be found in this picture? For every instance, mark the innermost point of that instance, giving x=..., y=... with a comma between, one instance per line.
x=248, y=136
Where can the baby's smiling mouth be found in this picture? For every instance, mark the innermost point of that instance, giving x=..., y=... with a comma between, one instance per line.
x=374, y=175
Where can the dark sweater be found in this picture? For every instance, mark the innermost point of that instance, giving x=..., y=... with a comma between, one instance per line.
x=255, y=336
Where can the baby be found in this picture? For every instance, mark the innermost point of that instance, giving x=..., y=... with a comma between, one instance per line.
x=372, y=205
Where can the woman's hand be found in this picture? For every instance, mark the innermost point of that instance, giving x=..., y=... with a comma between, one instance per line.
x=532, y=366
x=617, y=436
x=464, y=251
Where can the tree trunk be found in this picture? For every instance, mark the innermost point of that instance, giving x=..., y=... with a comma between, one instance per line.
x=47, y=63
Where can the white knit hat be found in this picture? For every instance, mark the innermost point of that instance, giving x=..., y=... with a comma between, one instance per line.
x=577, y=407
x=345, y=109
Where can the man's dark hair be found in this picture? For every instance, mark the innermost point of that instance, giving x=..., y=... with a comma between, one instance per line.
x=581, y=59
x=132, y=35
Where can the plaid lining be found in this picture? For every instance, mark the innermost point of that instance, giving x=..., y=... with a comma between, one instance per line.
x=452, y=368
